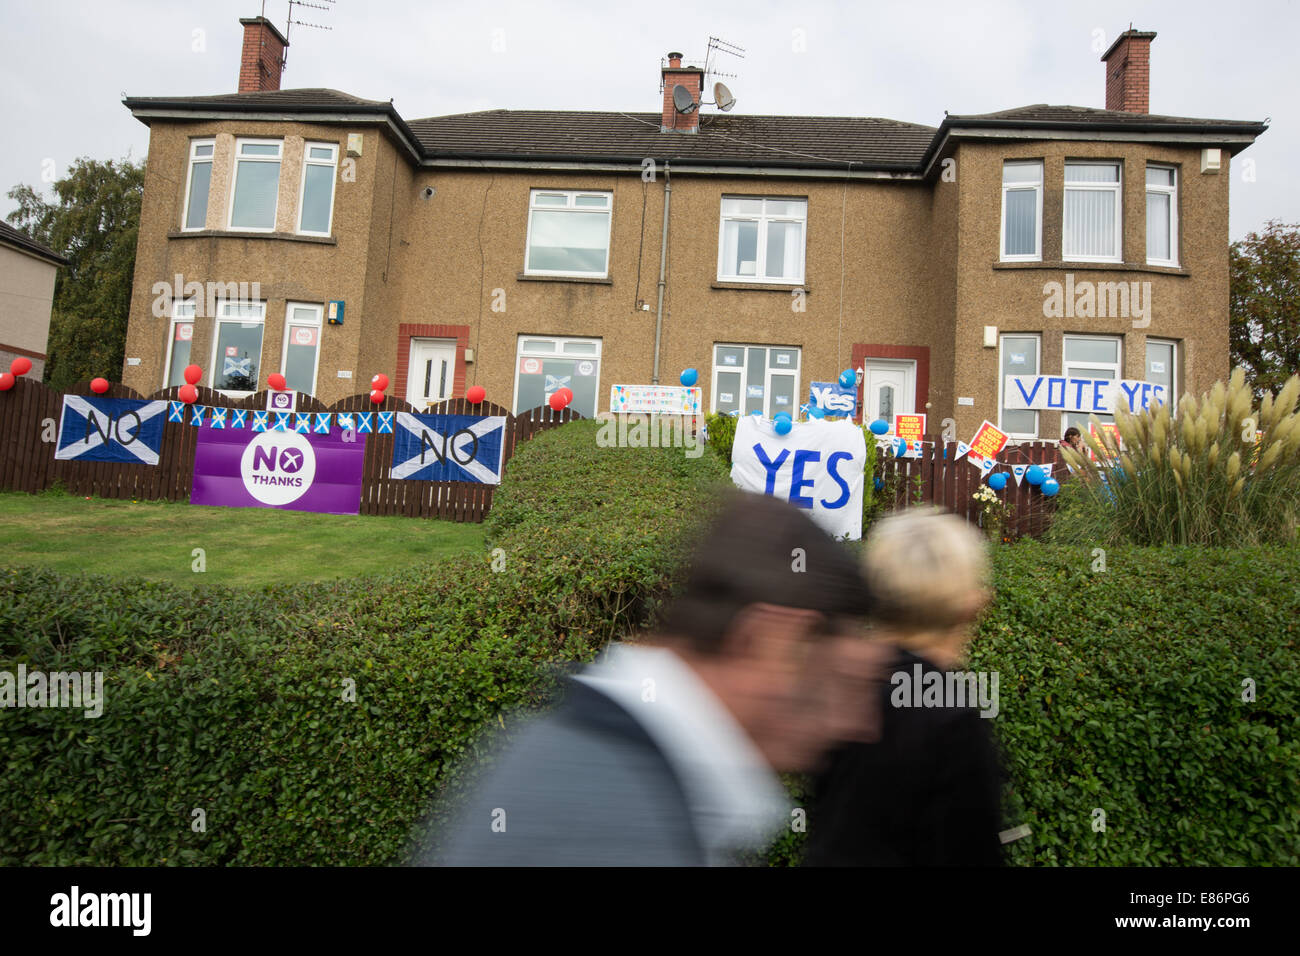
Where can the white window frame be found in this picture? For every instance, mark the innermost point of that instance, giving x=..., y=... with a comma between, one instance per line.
x=1037, y=255
x=560, y=341
x=1117, y=188
x=1038, y=364
x=318, y=321
x=1172, y=192
x=189, y=179
x=177, y=319
x=217, y=319
x=571, y=196
x=763, y=218
x=743, y=369
x=1066, y=365
x=1173, y=369
x=307, y=161
x=234, y=179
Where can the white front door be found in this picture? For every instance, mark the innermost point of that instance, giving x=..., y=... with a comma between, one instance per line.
x=888, y=389
x=431, y=372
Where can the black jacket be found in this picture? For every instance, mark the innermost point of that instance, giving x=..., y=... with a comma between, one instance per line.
x=926, y=794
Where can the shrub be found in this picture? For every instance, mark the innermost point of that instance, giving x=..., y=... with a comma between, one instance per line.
x=1197, y=480
x=234, y=702
x=722, y=434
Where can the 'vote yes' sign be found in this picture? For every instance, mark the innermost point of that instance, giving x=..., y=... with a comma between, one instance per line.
x=1073, y=394
x=833, y=398
x=817, y=466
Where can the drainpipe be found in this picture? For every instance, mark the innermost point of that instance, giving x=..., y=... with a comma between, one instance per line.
x=663, y=262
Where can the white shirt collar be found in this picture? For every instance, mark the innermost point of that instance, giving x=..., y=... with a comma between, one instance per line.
x=735, y=798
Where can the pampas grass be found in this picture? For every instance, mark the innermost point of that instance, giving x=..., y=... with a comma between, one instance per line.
x=1198, y=478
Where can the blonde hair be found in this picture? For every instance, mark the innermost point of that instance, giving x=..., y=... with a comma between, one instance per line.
x=926, y=571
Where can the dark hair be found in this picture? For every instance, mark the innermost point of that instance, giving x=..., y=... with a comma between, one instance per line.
x=1071, y=432
x=748, y=556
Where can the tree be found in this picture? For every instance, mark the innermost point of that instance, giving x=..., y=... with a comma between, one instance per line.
x=1264, y=305
x=93, y=222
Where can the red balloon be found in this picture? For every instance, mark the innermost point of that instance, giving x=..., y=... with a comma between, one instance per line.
x=277, y=382
x=476, y=394
x=379, y=382
x=187, y=394
x=99, y=385
x=20, y=366
x=192, y=374
x=558, y=400
x=6, y=381
x=377, y=396
x=568, y=394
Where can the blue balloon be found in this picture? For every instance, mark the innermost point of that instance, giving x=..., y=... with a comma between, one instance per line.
x=998, y=481
x=1051, y=486
x=690, y=377
x=879, y=483
x=879, y=426
x=816, y=411
x=1034, y=475
x=783, y=425
x=848, y=378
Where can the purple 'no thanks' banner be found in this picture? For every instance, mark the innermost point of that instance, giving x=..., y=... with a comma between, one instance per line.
x=300, y=472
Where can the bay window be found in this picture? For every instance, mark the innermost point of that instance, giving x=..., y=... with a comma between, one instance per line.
x=237, y=346
x=1091, y=223
x=257, y=184
x=1162, y=215
x=1022, y=211
x=198, y=181
x=316, y=202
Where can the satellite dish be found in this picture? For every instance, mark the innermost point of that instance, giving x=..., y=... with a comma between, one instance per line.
x=682, y=99
x=722, y=96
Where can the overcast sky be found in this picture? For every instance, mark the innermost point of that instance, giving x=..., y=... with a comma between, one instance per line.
x=67, y=63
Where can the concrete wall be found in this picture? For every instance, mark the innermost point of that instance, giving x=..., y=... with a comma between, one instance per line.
x=26, y=296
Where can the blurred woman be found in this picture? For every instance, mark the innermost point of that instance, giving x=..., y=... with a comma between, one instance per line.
x=927, y=793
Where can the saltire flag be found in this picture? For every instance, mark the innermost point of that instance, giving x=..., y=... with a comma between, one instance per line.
x=110, y=429
x=219, y=417
x=385, y=422
x=449, y=447
x=177, y=412
x=236, y=366
x=196, y=414
x=322, y=423
x=238, y=417
x=363, y=423
x=344, y=420
x=260, y=421
x=302, y=423
x=556, y=382
x=281, y=422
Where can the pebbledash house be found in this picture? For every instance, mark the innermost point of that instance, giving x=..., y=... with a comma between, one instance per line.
x=326, y=237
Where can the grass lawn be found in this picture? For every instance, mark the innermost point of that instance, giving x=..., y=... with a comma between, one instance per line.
x=244, y=547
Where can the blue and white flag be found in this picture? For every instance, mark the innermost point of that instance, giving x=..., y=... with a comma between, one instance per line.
x=176, y=413
x=322, y=423
x=302, y=423
x=449, y=447
x=556, y=382
x=238, y=416
x=385, y=422
x=260, y=421
x=110, y=429
x=363, y=422
x=196, y=414
x=281, y=422
x=344, y=420
x=219, y=417
x=238, y=366
x=1018, y=472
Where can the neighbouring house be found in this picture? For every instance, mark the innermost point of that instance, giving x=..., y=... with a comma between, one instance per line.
x=324, y=236
x=27, y=272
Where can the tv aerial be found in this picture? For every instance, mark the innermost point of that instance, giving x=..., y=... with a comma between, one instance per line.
x=326, y=5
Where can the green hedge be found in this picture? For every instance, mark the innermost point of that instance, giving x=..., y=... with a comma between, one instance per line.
x=232, y=702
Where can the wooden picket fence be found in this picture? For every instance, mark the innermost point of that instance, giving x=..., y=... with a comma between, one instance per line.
x=938, y=477
x=30, y=413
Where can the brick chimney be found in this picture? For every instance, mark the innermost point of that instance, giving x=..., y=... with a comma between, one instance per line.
x=1128, y=72
x=263, y=57
x=691, y=77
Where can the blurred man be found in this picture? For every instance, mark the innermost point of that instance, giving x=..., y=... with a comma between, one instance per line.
x=665, y=752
